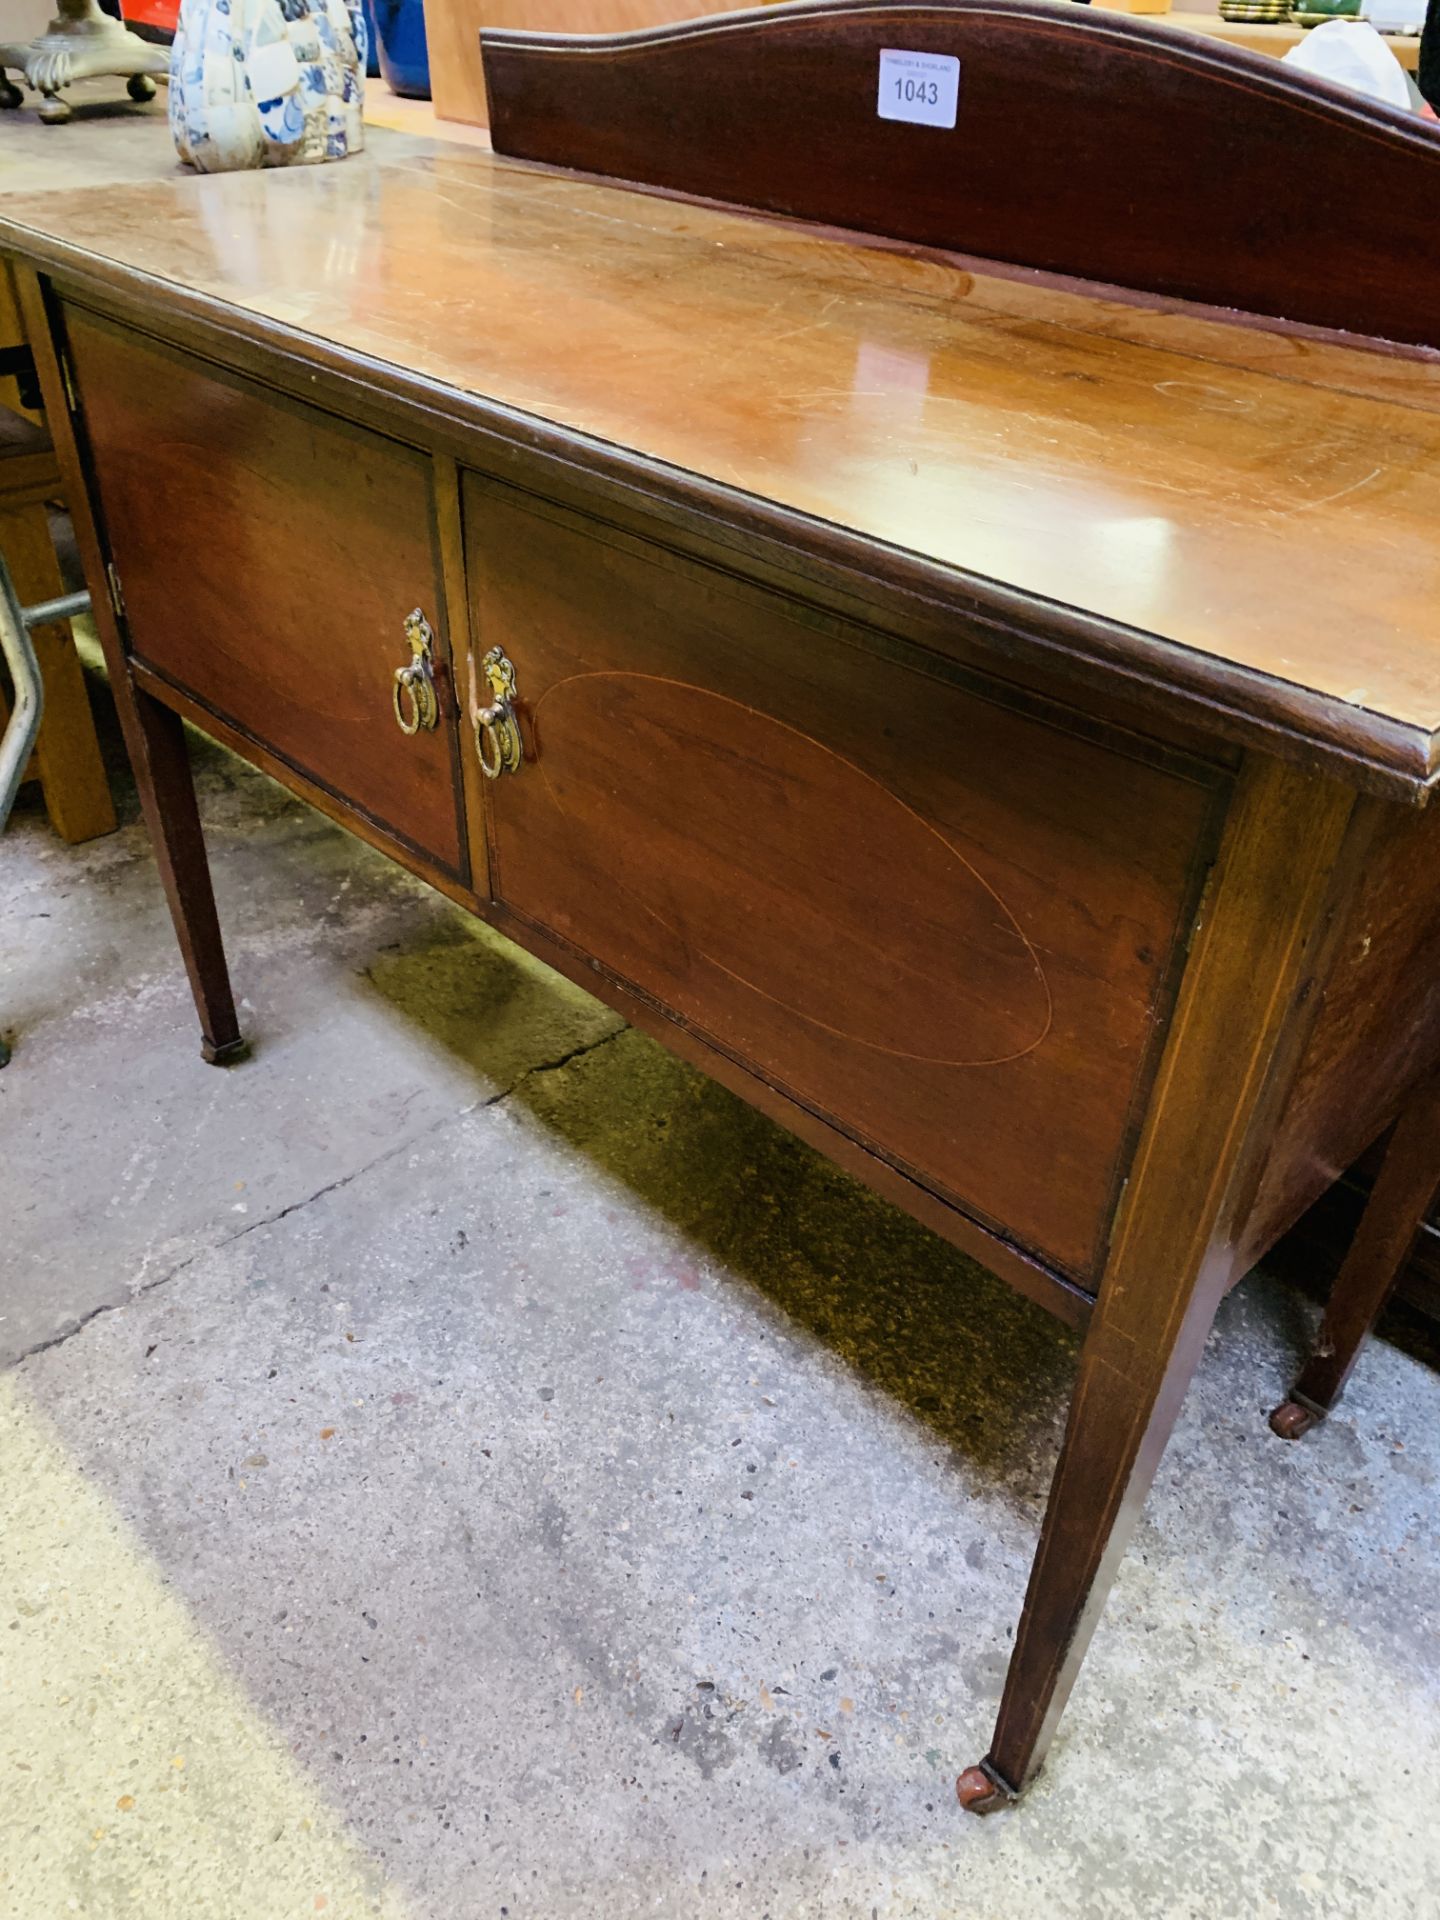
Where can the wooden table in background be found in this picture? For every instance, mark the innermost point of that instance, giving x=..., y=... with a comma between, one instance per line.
x=1275, y=40
x=452, y=30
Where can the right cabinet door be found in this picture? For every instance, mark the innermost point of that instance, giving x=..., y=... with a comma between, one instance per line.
x=944, y=919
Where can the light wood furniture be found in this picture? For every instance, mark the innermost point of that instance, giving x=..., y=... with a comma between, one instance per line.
x=1276, y=41
x=457, y=83
x=452, y=31
x=17, y=386
x=66, y=760
x=953, y=705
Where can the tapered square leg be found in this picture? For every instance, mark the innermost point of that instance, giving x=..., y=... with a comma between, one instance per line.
x=154, y=734
x=1404, y=1192
x=158, y=753
x=1236, y=1033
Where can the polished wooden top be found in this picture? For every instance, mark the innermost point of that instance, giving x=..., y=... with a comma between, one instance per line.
x=1264, y=502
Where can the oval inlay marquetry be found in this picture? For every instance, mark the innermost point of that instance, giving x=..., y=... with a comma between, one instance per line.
x=707, y=814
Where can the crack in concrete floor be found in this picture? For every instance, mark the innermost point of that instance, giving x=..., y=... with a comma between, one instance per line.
x=295, y=1206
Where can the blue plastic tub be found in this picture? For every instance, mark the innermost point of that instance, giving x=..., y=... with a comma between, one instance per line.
x=400, y=41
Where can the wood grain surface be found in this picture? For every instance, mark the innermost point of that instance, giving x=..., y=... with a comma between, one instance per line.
x=452, y=32
x=1234, y=537
x=67, y=760
x=1377, y=1031
x=879, y=661
x=945, y=923
x=1242, y=1010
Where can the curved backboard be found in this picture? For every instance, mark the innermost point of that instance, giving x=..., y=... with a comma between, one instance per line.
x=1082, y=143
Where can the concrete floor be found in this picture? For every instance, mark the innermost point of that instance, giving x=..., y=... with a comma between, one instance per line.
x=460, y=1463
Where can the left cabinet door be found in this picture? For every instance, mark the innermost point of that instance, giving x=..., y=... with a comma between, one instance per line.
x=268, y=557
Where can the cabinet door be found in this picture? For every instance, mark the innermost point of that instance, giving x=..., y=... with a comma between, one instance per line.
x=945, y=920
x=268, y=556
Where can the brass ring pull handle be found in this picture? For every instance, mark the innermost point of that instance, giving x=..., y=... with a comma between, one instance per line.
x=497, y=732
x=413, y=692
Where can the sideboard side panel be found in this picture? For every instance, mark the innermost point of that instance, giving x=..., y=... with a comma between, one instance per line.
x=1378, y=1028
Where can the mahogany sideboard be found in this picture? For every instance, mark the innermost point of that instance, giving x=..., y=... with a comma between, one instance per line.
x=987, y=721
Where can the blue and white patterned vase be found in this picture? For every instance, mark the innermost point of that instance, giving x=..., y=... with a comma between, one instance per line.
x=267, y=83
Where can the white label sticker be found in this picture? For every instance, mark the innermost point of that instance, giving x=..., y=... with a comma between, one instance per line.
x=920, y=87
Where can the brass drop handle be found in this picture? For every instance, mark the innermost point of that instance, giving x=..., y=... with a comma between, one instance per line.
x=413, y=693
x=497, y=732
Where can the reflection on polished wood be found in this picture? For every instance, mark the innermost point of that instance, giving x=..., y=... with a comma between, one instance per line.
x=1219, y=489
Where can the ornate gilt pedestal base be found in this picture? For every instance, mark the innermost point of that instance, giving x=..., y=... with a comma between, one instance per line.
x=81, y=43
